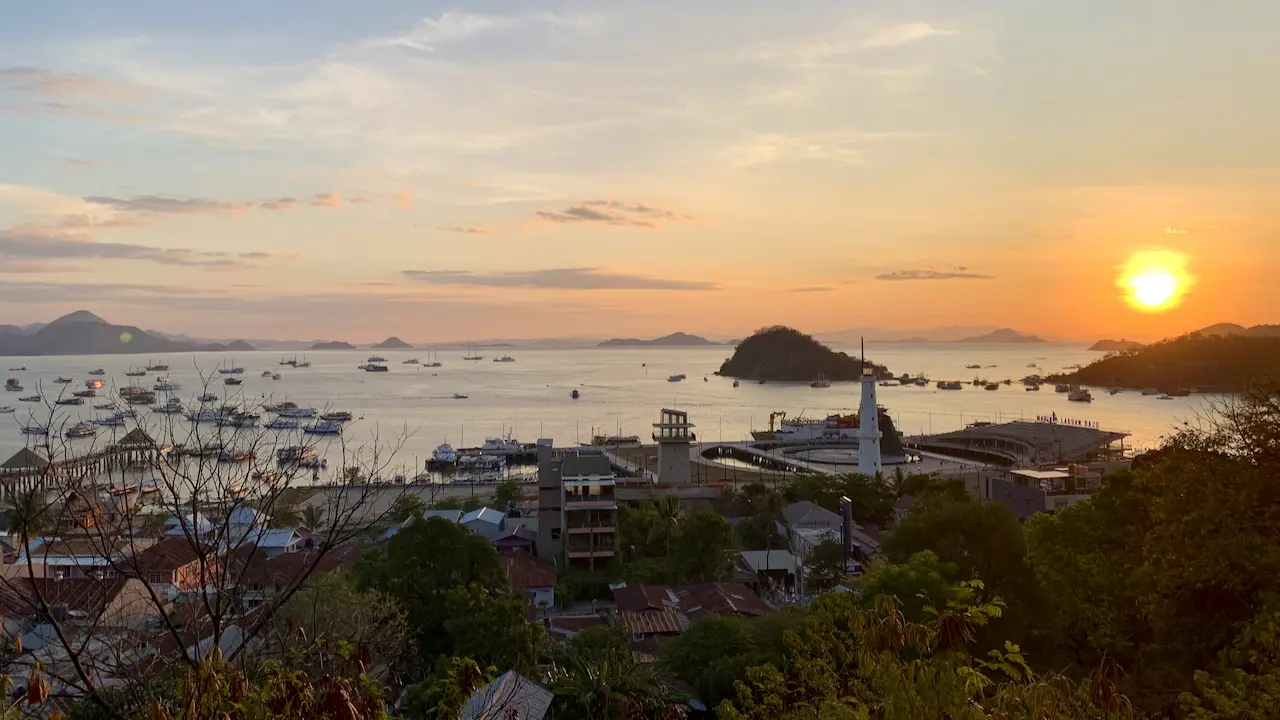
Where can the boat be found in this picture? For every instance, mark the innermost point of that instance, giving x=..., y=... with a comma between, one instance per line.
x=94, y=384
x=30, y=398
x=481, y=463
x=1164, y=397
x=111, y=421
x=163, y=384
x=992, y=386
x=1062, y=388
x=281, y=423
x=280, y=407
x=296, y=412
x=267, y=476
x=471, y=355
x=972, y=367
x=820, y=382
x=459, y=396
x=12, y=385
x=208, y=398
x=231, y=455
x=1033, y=388
x=122, y=488
x=81, y=430
x=890, y=383
x=157, y=367
x=574, y=394
x=605, y=440
x=6, y=409
x=239, y=420
x=212, y=448
x=70, y=401
x=203, y=416
x=675, y=378
x=135, y=373
x=376, y=359
x=35, y=429
x=411, y=361
x=232, y=381
x=432, y=360
x=371, y=367
x=98, y=371
x=18, y=369
x=231, y=371
x=173, y=407
x=443, y=456
x=1080, y=395
x=505, y=359
x=1113, y=391
x=1180, y=392
x=85, y=393
x=267, y=373
x=832, y=428
x=950, y=385
x=340, y=416
x=105, y=406
x=304, y=364
x=275, y=376
x=63, y=380
x=1150, y=391
x=735, y=383
x=149, y=485
x=499, y=446
x=323, y=427
x=922, y=382
x=1032, y=365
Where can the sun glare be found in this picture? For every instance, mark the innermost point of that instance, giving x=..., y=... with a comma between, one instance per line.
x=1154, y=280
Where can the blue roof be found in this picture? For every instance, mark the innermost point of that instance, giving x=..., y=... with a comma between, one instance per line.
x=485, y=514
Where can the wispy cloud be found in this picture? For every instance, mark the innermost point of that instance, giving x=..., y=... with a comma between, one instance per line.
x=1176, y=231
x=162, y=205
x=82, y=162
x=581, y=278
x=330, y=200
x=63, y=85
x=467, y=230
x=608, y=212
x=284, y=203
x=903, y=34
x=811, y=289
x=430, y=33
x=31, y=245
x=958, y=273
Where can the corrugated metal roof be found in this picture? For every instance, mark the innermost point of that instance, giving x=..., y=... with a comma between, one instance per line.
x=655, y=622
x=511, y=695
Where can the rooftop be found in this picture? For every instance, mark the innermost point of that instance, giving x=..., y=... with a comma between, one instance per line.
x=527, y=573
x=1023, y=440
x=585, y=466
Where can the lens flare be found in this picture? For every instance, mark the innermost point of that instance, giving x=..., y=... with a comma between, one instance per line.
x=1155, y=280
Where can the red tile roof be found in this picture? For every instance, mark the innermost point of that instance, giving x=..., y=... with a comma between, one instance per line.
x=527, y=573
x=21, y=597
x=167, y=555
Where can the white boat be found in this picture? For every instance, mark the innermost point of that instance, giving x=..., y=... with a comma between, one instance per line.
x=112, y=421
x=675, y=378
x=203, y=416
x=499, y=446
x=81, y=430
x=5, y=409
x=173, y=407
x=1079, y=395
x=821, y=382
x=297, y=412
x=890, y=383
x=267, y=373
x=296, y=454
x=505, y=359
x=412, y=361
x=340, y=416
x=373, y=367
x=443, y=456
x=63, y=380
x=98, y=372
x=280, y=407
x=163, y=384
x=376, y=359
x=281, y=423
x=323, y=428
x=432, y=360
x=94, y=384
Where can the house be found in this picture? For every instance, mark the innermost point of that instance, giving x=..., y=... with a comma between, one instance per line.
x=720, y=598
x=452, y=516
x=245, y=519
x=175, y=562
x=75, y=557
x=192, y=524
x=536, y=579
x=516, y=541
x=563, y=627
x=806, y=514
x=650, y=614
x=82, y=602
x=274, y=542
x=511, y=696
x=775, y=569
x=486, y=522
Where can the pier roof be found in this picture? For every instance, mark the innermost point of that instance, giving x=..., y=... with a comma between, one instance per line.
x=25, y=459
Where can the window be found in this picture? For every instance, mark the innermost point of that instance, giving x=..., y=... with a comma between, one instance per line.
x=555, y=533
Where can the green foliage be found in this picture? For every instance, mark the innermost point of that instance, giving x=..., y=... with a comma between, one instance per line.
x=826, y=565
x=1248, y=685
x=872, y=497
x=418, y=568
x=787, y=355
x=491, y=627
x=507, y=492
x=921, y=583
x=332, y=627
x=405, y=507
x=443, y=693
x=1230, y=363
x=596, y=678
x=661, y=546
x=716, y=651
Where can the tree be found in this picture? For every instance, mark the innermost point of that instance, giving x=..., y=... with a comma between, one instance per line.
x=872, y=498
x=420, y=565
x=405, y=507
x=507, y=492
x=704, y=549
x=716, y=650
x=825, y=565
x=312, y=517
x=491, y=627
x=921, y=583
x=597, y=679
x=441, y=695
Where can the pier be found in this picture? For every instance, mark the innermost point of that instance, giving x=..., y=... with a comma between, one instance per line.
x=28, y=470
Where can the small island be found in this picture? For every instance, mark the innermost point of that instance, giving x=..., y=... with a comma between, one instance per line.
x=1115, y=346
x=332, y=345
x=1003, y=335
x=782, y=354
x=83, y=333
x=393, y=343
x=673, y=340
x=1217, y=363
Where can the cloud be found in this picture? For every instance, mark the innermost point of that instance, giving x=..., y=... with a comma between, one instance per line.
x=82, y=162
x=904, y=34
x=1175, y=231
x=582, y=278
x=161, y=205
x=811, y=289
x=402, y=200
x=467, y=230
x=26, y=244
x=430, y=33
x=62, y=85
x=330, y=200
x=607, y=212
x=958, y=273
x=284, y=203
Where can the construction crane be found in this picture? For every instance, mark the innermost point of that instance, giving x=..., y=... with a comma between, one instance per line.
x=773, y=416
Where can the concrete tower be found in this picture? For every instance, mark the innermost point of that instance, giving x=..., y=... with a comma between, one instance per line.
x=868, y=422
x=673, y=434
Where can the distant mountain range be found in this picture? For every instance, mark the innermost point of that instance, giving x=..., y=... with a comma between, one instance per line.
x=332, y=345
x=948, y=334
x=673, y=340
x=1227, y=329
x=1116, y=346
x=83, y=333
x=392, y=343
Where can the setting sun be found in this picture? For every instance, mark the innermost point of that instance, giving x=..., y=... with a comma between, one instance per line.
x=1155, y=280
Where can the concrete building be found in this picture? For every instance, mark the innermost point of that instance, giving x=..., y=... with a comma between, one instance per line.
x=673, y=433
x=550, y=502
x=590, y=511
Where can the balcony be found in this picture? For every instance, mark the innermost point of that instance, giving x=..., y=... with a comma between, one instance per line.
x=585, y=523
x=590, y=546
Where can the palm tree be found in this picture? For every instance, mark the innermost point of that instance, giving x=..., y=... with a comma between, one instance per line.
x=670, y=513
x=609, y=685
x=29, y=515
x=312, y=517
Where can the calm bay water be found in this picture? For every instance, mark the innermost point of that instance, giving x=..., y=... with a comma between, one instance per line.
x=621, y=390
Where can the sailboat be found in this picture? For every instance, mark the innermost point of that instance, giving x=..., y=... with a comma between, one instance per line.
x=432, y=360
x=471, y=354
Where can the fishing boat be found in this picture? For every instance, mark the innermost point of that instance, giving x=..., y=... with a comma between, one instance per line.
x=111, y=421
x=63, y=380
x=280, y=407
x=950, y=385
x=208, y=398
x=1113, y=391
x=574, y=394
x=275, y=376
x=820, y=382
x=94, y=384
x=105, y=406
x=1033, y=388
x=85, y=393
x=232, y=455
x=5, y=409
x=371, y=367
x=295, y=454
x=69, y=401
x=281, y=423
x=164, y=384
x=411, y=361
x=505, y=359
x=98, y=371
x=150, y=485
x=267, y=373
x=30, y=398
x=297, y=412
x=972, y=367
x=304, y=364
x=432, y=360
x=135, y=373
x=12, y=385
x=735, y=383
x=81, y=430
x=675, y=378
x=239, y=420
x=122, y=488
x=340, y=416
x=18, y=369
x=471, y=355
x=172, y=407
x=459, y=396
x=499, y=446
x=1062, y=388
x=1080, y=395
x=992, y=386
x=233, y=370
x=267, y=476
x=323, y=428
x=35, y=429
x=1179, y=392
x=203, y=416
x=376, y=359
x=444, y=456
x=232, y=381
x=157, y=367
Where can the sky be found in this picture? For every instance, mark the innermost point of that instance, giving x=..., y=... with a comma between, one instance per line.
x=447, y=171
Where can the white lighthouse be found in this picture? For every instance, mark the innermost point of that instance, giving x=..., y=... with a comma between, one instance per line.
x=868, y=422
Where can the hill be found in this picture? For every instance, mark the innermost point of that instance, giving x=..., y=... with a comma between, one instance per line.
x=332, y=345
x=1003, y=335
x=1225, y=329
x=786, y=355
x=1115, y=346
x=673, y=340
x=1218, y=363
x=393, y=343
x=83, y=333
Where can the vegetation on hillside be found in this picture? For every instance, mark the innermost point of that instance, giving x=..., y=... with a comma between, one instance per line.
x=1210, y=363
x=786, y=355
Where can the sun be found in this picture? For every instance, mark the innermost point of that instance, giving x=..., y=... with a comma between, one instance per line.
x=1154, y=280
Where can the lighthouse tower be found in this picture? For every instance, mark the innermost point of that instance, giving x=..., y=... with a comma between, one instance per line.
x=868, y=422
